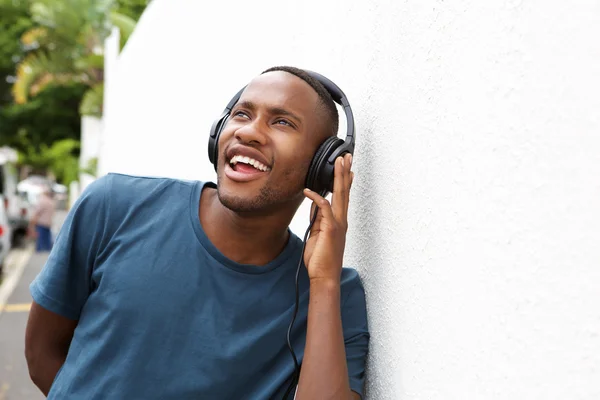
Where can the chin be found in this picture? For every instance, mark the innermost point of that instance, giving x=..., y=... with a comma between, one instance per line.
x=240, y=197
x=258, y=196
x=249, y=199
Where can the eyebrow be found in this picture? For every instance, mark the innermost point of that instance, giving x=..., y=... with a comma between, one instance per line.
x=272, y=110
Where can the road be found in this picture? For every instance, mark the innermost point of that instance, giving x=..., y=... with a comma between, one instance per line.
x=14, y=377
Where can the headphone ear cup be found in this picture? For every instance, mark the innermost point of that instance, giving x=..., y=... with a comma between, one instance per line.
x=320, y=178
x=213, y=139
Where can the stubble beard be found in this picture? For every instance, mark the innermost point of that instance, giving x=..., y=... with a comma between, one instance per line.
x=268, y=198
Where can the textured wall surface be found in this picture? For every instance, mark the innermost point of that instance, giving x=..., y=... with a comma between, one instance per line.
x=475, y=215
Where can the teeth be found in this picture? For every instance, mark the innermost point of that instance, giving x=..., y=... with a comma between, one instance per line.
x=250, y=161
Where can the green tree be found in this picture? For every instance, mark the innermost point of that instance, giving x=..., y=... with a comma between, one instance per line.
x=67, y=47
x=14, y=21
x=132, y=8
x=53, y=51
x=60, y=158
x=50, y=116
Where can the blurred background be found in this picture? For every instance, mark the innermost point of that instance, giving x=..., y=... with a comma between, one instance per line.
x=51, y=86
x=52, y=75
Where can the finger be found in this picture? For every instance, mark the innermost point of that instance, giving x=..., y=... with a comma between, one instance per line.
x=342, y=210
x=323, y=204
x=338, y=197
x=348, y=182
x=312, y=210
x=316, y=224
x=348, y=162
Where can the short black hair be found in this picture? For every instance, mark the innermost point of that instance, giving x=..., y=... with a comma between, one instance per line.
x=324, y=96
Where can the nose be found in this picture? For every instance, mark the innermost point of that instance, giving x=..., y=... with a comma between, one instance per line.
x=251, y=132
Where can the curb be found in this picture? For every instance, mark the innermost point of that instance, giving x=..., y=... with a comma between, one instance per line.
x=15, y=266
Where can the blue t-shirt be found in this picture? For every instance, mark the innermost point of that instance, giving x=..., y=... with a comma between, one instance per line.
x=163, y=314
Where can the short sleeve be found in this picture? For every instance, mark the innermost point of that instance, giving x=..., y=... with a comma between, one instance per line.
x=64, y=283
x=356, y=334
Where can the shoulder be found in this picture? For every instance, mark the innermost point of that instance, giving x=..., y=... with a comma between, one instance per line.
x=120, y=192
x=122, y=188
x=127, y=183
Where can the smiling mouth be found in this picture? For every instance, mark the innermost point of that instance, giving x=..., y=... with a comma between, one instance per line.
x=247, y=165
x=245, y=169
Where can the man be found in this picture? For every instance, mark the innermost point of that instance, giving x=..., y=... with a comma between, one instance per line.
x=40, y=224
x=165, y=289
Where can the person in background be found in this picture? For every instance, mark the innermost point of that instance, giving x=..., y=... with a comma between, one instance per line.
x=41, y=222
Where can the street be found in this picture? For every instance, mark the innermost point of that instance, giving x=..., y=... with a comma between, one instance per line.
x=14, y=378
x=15, y=300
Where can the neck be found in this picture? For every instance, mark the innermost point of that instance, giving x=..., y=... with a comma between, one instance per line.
x=244, y=238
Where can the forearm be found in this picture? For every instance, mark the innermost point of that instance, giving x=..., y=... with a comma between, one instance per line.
x=324, y=371
x=43, y=370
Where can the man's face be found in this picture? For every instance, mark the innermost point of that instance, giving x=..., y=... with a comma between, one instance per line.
x=268, y=143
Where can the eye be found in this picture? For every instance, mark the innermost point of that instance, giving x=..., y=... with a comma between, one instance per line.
x=241, y=114
x=284, y=122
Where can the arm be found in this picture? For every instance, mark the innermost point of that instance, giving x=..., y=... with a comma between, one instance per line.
x=324, y=354
x=324, y=373
x=47, y=339
x=63, y=286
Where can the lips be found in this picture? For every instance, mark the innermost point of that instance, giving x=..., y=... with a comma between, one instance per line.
x=239, y=150
x=244, y=172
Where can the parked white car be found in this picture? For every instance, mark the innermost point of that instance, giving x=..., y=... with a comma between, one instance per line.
x=5, y=235
x=16, y=207
x=32, y=187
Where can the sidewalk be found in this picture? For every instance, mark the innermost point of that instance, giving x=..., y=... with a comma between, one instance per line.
x=14, y=377
x=14, y=311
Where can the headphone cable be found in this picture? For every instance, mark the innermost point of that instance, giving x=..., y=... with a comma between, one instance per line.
x=296, y=375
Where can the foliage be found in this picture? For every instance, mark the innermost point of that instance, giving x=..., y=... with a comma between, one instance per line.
x=124, y=24
x=14, y=21
x=67, y=44
x=52, y=50
x=60, y=158
x=92, y=101
x=132, y=8
x=50, y=116
x=91, y=168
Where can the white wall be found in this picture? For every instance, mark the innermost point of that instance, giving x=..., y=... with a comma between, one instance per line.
x=111, y=66
x=475, y=215
x=91, y=133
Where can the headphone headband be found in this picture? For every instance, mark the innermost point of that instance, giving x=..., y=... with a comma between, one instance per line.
x=339, y=97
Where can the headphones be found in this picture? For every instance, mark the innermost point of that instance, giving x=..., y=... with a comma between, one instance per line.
x=320, y=173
